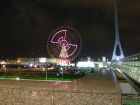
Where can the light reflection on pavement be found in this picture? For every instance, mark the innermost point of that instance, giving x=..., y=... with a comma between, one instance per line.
x=65, y=85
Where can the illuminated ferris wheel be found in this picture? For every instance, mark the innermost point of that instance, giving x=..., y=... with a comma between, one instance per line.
x=64, y=43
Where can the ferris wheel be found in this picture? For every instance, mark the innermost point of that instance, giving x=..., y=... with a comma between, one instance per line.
x=64, y=43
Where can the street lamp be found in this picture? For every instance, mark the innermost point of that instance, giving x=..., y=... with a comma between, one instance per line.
x=46, y=74
x=4, y=66
x=62, y=71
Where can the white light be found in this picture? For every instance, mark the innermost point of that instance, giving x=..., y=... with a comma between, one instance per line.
x=104, y=59
x=72, y=64
x=35, y=66
x=43, y=69
x=3, y=66
x=42, y=60
x=18, y=61
x=117, y=59
x=17, y=78
x=88, y=59
x=105, y=66
x=3, y=62
x=85, y=64
x=31, y=65
x=101, y=65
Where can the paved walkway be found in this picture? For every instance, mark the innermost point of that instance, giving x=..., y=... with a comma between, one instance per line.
x=102, y=81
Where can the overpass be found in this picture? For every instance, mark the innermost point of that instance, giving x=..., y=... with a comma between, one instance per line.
x=130, y=68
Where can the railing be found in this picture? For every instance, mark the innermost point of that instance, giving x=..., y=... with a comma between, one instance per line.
x=28, y=74
x=130, y=66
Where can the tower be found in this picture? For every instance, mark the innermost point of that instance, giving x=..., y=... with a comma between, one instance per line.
x=117, y=52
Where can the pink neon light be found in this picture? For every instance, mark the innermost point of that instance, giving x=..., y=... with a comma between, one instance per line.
x=62, y=39
x=74, y=48
x=72, y=85
x=53, y=38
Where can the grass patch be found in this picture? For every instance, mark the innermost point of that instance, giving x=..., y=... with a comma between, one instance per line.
x=66, y=77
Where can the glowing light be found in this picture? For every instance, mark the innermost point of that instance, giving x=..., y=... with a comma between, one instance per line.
x=61, y=68
x=17, y=78
x=104, y=59
x=88, y=59
x=31, y=65
x=50, y=68
x=86, y=64
x=55, y=39
x=18, y=61
x=117, y=59
x=72, y=64
x=43, y=69
x=65, y=85
x=3, y=62
x=42, y=60
x=3, y=66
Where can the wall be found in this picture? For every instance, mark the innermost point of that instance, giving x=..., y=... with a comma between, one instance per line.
x=39, y=93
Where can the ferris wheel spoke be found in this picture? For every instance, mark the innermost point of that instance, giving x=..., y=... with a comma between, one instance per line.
x=65, y=34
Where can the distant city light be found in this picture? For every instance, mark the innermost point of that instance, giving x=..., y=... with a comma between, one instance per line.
x=31, y=65
x=86, y=64
x=104, y=59
x=2, y=62
x=3, y=66
x=88, y=59
x=117, y=59
x=42, y=60
x=43, y=69
x=72, y=64
x=61, y=68
x=18, y=61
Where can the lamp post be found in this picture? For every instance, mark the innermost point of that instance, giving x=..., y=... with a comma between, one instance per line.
x=4, y=66
x=62, y=71
x=46, y=74
x=62, y=74
x=33, y=53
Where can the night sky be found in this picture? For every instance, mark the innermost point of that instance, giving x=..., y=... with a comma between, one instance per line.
x=26, y=24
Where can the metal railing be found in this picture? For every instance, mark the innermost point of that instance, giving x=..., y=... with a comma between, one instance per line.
x=130, y=66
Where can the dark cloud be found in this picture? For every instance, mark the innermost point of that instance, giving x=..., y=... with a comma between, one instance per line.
x=26, y=24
